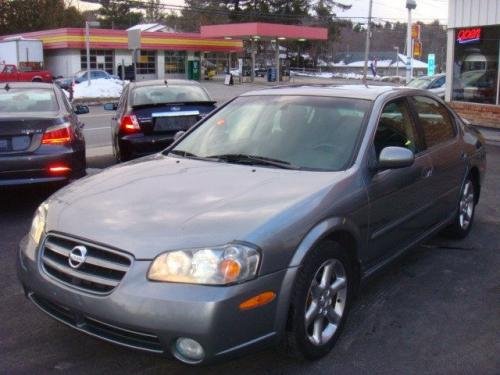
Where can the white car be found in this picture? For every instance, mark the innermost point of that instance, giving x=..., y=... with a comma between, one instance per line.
x=435, y=84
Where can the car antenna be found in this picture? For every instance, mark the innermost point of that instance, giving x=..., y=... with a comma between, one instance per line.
x=7, y=87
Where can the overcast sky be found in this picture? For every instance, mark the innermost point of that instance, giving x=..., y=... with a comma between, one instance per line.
x=427, y=10
x=393, y=10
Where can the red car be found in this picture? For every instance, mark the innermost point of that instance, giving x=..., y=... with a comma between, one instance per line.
x=10, y=73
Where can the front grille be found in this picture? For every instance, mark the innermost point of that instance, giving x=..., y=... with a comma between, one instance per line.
x=101, y=271
x=97, y=328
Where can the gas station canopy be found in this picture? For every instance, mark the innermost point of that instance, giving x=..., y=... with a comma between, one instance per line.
x=265, y=31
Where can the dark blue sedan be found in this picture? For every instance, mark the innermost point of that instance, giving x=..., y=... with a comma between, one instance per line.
x=150, y=113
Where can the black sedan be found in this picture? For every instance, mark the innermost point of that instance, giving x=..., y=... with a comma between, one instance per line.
x=41, y=139
x=150, y=113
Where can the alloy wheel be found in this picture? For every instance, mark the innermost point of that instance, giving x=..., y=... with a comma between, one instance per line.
x=466, y=205
x=326, y=301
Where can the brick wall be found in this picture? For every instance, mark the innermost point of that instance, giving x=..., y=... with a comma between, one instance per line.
x=479, y=114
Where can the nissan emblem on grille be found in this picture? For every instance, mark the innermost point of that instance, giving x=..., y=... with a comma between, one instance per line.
x=77, y=256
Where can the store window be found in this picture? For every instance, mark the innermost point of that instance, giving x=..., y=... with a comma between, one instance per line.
x=475, y=69
x=175, y=62
x=146, y=62
x=99, y=59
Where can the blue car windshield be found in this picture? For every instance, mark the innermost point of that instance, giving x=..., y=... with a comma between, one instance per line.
x=308, y=132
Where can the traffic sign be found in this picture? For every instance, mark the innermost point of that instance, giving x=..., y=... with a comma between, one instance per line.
x=431, y=64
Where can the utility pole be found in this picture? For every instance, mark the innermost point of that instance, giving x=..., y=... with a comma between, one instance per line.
x=410, y=4
x=367, y=44
x=397, y=61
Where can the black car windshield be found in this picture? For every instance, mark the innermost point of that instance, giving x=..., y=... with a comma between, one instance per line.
x=420, y=83
x=307, y=132
x=151, y=95
x=19, y=100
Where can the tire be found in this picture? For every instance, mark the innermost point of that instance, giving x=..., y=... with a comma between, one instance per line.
x=36, y=80
x=462, y=223
x=326, y=312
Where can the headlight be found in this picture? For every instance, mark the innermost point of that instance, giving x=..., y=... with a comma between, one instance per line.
x=217, y=265
x=38, y=223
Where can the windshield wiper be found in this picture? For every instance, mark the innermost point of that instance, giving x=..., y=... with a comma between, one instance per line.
x=253, y=160
x=185, y=154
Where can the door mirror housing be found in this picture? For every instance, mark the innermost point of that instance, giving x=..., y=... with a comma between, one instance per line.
x=179, y=134
x=110, y=106
x=81, y=109
x=395, y=157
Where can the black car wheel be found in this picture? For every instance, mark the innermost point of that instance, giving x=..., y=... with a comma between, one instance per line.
x=320, y=302
x=462, y=222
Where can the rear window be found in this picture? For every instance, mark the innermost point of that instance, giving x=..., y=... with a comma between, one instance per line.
x=17, y=100
x=168, y=94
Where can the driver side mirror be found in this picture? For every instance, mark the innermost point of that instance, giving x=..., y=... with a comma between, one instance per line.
x=395, y=157
x=179, y=134
x=81, y=109
x=110, y=106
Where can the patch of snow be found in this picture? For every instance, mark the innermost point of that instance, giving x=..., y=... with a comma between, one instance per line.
x=99, y=88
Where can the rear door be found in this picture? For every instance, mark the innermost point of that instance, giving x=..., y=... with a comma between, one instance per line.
x=399, y=198
x=443, y=145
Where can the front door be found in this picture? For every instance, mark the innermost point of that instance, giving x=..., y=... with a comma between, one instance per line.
x=398, y=197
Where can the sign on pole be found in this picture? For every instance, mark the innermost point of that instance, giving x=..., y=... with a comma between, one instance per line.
x=431, y=64
x=134, y=39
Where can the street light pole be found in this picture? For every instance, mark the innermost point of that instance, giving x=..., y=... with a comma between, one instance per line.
x=367, y=44
x=89, y=24
x=410, y=4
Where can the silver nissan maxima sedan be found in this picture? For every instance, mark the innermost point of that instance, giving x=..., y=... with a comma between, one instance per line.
x=257, y=225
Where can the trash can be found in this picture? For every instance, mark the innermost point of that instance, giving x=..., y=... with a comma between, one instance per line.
x=193, y=70
x=271, y=75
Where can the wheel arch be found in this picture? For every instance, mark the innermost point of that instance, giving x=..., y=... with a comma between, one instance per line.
x=341, y=230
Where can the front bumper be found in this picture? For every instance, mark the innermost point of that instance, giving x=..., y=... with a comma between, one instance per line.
x=151, y=316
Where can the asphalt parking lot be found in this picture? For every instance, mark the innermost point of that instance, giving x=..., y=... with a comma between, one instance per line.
x=434, y=311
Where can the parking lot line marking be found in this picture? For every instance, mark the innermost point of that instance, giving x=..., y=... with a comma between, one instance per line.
x=101, y=128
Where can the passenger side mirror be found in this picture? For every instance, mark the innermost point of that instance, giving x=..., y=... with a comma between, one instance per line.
x=395, y=157
x=81, y=109
x=179, y=134
x=110, y=106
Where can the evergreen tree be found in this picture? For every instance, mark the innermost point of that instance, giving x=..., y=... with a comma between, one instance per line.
x=118, y=14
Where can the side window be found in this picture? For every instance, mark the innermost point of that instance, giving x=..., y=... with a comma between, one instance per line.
x=435, y=121
x=395, y=127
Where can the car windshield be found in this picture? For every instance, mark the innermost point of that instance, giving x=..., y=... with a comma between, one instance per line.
x=17, y=100
x=420, y=83
x=306, y=132
x=151, y=95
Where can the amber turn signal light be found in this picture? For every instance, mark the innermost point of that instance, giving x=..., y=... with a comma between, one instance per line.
x=258, y=300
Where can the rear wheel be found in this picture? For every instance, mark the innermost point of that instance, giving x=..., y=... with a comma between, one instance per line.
x=462, y=222
x=320, y=302
x=37, y=80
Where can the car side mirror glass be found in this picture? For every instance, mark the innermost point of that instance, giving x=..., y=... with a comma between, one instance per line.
x=179, y=134
x=395, y=157
x=81, y=109
x=110, y=107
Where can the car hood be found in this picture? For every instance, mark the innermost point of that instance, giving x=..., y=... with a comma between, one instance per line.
x=164, y=203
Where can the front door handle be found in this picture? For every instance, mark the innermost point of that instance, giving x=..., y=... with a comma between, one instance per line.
x=427, y=172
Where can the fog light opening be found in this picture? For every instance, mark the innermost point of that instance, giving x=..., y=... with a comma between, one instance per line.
x=188, y=350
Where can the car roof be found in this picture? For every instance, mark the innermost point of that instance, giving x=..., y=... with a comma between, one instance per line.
x=27, y=85
x=342, y=91
x=158, y=82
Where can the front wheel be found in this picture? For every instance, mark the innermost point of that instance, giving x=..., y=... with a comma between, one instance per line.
x=320, y=302
x=462, y=222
